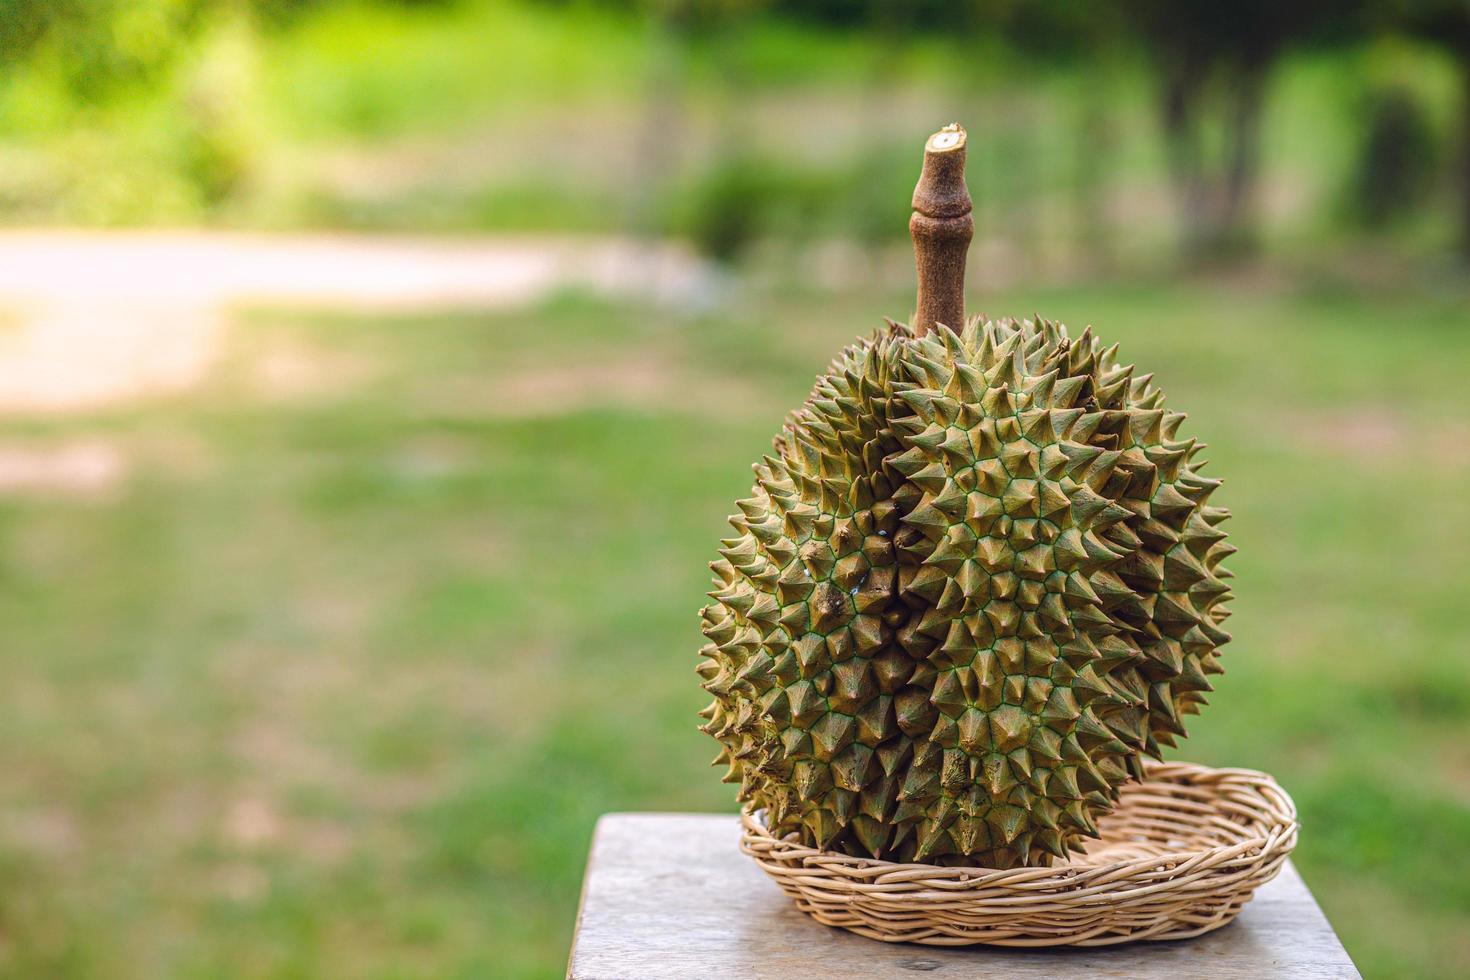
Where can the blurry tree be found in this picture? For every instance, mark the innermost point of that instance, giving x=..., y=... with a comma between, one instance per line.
x=91, y=59
x=277, y=13
x=1445, y=23
x=875, y=193
x=100, y=47
x=1088, y=36
x=281, y=13
x=22, y=25
x=893, y=17
x=1397, y=159
x=676, y=26
x=1225, y=49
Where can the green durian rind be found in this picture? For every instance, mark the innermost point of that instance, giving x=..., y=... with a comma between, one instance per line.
x=977, y=581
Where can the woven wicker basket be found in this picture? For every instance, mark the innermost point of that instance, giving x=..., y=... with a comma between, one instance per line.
x=1180, y=855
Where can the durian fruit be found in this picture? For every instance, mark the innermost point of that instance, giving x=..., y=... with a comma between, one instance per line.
x=977, y=580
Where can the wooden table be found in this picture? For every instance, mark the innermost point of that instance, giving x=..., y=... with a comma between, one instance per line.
x=670, y=895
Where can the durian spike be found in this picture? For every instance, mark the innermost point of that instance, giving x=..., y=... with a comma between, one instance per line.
x=941, y=227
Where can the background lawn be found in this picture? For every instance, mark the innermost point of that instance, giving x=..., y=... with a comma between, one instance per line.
x=337, y=679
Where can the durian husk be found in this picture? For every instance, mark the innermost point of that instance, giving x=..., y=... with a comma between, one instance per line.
x=976, y=582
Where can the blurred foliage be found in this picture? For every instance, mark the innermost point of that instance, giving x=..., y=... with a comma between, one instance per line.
x=887, y=16
x=99, y=49
x=1398, y=158
x=737, y=202
x=426, y=113
x=1221, y=56
x=747, y=201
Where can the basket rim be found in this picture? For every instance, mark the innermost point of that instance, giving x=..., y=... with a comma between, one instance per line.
x=1188, y=847
x=1276, y=813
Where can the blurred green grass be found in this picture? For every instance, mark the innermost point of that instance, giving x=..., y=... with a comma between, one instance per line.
x=338, y=680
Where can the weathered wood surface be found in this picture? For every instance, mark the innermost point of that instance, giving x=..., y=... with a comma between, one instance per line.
x=670, y=895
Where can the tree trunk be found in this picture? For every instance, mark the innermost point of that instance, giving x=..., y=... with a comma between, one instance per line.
x=1094, y=161
x=1465, y=154
x=1022, y=218
x=656, y=154
x=1236, y=231
x=1182, y=89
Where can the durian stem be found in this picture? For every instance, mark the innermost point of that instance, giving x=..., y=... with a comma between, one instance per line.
x=941, y=227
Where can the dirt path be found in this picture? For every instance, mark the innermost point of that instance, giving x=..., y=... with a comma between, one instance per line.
x=98, y=318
